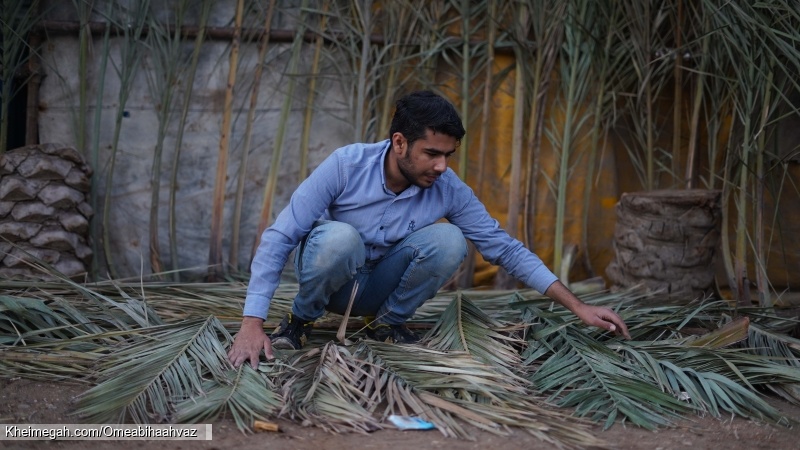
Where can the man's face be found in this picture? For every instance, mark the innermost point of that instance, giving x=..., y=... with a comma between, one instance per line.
x=426, y=159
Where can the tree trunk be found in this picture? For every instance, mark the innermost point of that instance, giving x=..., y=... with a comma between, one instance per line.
x=44, y=216
x=666, y=242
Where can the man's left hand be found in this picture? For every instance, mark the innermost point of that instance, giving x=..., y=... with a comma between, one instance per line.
x=595, y=316
x=605, y=318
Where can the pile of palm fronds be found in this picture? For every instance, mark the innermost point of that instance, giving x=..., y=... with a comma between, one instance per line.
x=156, y=352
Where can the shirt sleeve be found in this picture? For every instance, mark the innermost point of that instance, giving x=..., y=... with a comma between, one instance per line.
x=493, y=242
x=306, y=205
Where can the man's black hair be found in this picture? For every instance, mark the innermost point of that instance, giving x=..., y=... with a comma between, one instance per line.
x=423, y=110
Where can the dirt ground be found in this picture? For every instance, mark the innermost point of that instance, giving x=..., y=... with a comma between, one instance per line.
x=25, y=401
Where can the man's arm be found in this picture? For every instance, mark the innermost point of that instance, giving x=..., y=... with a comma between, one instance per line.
x=497, y=247
x=595, y=316
x=293, y=223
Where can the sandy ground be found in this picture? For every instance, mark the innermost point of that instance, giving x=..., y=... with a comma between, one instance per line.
x=25, y=401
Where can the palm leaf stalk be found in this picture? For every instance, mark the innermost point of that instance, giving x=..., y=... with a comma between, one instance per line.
x=84, y=10
x=94, y=224
x=205, y=12
x=168, y=70
x=503, y=279
x=466, y=77
x=575, y=67
x=130, y=57
x=221, y=178
x=268, y=199
x=650, y=63
x=605, y=62
x=697, y=103
x=760, y=253
x=522, y=18
x=362, y=10
x=397, y=37
x=312, y=92
x=491, y=25
x=677, y=91
x=466, y=272
x=547, y=29
x=248, y=136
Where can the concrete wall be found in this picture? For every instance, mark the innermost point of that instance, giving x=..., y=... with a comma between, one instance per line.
x=130, y=193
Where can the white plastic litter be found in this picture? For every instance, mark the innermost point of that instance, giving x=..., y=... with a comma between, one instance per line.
x=410, y=423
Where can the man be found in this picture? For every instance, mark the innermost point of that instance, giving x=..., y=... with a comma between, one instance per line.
x=370, y=213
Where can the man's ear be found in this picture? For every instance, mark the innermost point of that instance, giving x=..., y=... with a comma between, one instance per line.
x=399, y=142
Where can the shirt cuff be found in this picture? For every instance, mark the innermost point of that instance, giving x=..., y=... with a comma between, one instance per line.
x=541, y=279
x=256, y=306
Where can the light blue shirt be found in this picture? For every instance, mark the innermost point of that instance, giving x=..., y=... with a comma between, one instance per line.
x=350, y=187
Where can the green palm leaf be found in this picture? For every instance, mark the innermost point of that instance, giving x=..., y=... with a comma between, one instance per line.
x=783, y=349
x=713, y=380
x=579, y=371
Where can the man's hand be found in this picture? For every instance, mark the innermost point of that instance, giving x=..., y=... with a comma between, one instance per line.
x=249, y=342
x=596, y=316
x=604, y=318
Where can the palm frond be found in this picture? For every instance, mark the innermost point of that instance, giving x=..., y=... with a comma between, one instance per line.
x=323, y=388
x=581, y=372
x=453, y=385
x=464, y=327
x=714, y=380
x=245, y=393
x=781, y=349
x=473, y=372
x=648, y=382
x=162, y=366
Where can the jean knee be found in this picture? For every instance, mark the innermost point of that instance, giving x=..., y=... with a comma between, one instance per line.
x=336, y=243
x=451, y=246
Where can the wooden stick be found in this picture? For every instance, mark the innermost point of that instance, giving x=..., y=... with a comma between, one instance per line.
x=343, y=327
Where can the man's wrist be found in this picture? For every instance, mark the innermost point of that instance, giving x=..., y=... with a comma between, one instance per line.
x=252, y=321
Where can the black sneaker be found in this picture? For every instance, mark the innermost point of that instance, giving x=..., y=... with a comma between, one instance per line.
x=393, y=334
x=292, y=333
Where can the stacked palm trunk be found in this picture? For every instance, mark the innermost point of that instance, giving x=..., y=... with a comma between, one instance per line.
x=666, y=241
x=44, y=214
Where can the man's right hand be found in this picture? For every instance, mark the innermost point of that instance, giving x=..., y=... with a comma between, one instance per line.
x=249, y=342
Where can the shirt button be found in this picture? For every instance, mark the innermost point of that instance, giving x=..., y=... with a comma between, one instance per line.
x=381, y=227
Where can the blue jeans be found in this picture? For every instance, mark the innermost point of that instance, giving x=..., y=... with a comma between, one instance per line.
x=332, y=258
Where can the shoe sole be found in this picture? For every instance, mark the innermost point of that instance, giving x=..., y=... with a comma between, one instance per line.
x=282, y=343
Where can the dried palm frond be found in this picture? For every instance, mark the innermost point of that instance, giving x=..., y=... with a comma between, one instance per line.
x=112, y=334
x=453, y=385
x=162, y=365
x=464, y=327
x=247, y=394
x=323, y=388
